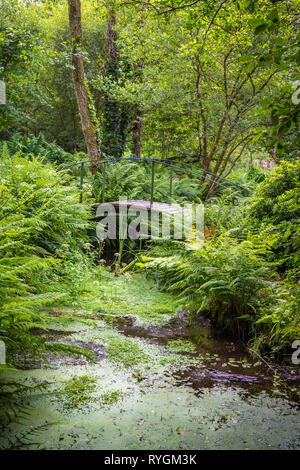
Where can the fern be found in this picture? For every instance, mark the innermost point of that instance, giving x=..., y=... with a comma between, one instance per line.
x=40, y=221
x=133, y=180
x=224, y=278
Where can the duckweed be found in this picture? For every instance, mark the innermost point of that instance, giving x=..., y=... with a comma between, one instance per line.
x=78, y=391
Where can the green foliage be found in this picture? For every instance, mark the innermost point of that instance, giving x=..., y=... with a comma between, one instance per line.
x=133, y=180
x=181, y=345
x=37, y=146
x=284, y=110
x=15, y=49
x=115, y=128
x=125, y=351
x=226, y=214
x=234, y=276
x=275, y=190
x=121, y=179
x=77, y=391
x=41, y=220
x=224, y=278
x=282, y=317
x=276, y=202
x=256, y=175
x=204, y=92
x=15, y=407
x=46, y=197
x=110, y=398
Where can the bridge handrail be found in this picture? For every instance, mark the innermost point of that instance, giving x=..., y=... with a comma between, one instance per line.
x=162, y=160
x=166, y=162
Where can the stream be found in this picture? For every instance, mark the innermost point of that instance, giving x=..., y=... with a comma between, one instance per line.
x=169, y=385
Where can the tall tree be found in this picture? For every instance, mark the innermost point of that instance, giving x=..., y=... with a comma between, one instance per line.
x=87, y=114
x=138, y=114
x=137, y=131
x=115, y=113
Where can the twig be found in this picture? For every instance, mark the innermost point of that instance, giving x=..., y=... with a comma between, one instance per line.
x=262, y=359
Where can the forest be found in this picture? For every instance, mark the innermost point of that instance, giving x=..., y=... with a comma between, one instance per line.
x=134, y=341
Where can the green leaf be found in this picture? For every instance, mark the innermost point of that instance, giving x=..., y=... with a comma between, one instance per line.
x=274, y=16
x=261, y=28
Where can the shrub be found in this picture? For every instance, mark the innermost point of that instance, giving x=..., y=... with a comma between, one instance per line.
x=39, y=213
x=133, y=180
x=276, y=202
x=281, y=317
x=227, y=214
x=224, y=278
x=44, y=196
x=37, y=146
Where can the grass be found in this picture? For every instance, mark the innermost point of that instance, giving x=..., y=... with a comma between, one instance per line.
x=130, y=294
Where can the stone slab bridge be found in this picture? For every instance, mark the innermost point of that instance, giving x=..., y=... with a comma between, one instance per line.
x=161, y=207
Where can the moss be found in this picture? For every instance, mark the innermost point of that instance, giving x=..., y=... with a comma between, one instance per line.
x=125, y=351
x=110, y=398
x=78, y=390
x=122, y=296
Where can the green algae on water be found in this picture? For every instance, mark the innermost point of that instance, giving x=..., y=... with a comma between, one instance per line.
x=181, y=345
x=77, y=391
x=110, y=398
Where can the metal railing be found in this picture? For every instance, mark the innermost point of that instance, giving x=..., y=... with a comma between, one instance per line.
x=171, y=164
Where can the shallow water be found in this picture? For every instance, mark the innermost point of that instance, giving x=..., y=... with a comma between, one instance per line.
x=165, y=386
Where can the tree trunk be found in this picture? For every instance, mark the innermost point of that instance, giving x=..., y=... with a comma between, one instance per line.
x=112, y=35
x=88, y=124
x=115, y=112
x=137, y=132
